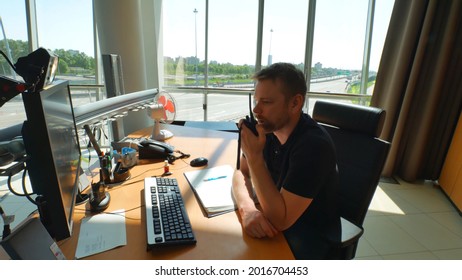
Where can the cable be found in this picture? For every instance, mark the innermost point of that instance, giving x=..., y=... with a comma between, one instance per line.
x=104, y=133
x=10, y=187
x=7, y=60
x=116, y=213
x=182, y=155
x=27, y=195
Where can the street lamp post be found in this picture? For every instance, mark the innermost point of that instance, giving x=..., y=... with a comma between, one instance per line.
x=270, y=57
x=195, y=36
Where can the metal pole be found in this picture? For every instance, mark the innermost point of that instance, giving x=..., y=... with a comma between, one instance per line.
x=270, y=58
x=367, y=48
x=195, y=33
x=309, y=46
x=206, y=60
x=261, y=8
x=8, y=50
x=31, y=17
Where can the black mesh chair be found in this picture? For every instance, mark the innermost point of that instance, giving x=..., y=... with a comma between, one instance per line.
x=361, y=157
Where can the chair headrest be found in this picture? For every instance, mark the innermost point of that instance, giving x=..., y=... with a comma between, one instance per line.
x=361, y=119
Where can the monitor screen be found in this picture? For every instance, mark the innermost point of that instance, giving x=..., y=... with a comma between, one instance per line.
x=52, y=146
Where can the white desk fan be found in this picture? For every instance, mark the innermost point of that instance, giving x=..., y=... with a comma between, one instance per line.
x=163, y=110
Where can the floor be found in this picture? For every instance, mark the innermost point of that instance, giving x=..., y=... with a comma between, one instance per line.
x=405, y=221
x=411, y=222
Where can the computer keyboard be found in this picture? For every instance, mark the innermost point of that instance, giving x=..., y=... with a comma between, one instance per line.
x=167, y=222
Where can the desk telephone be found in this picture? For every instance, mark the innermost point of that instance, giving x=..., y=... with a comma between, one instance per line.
x=152, y=149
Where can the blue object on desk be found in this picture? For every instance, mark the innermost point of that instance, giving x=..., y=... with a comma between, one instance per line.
x=215, y=178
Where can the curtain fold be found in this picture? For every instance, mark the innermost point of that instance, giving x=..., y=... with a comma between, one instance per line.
x=418, y=84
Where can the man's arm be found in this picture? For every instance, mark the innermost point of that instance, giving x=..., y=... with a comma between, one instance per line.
x=253, y=221
x=281, y=208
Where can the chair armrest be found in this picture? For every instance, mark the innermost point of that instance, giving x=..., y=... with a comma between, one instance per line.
x=350, y=234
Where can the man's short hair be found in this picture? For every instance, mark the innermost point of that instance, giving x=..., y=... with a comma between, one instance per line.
x=293, y=79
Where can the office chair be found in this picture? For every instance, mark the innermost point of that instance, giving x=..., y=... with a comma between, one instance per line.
x=361, y=156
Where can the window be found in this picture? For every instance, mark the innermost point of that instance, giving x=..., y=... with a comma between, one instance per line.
x=66, y=27
x=338, y=47
x=284, y=32
x=230, y=54
x=184, y=49
x=13, y=42
x=381, y=22
x=339, y=38
x=232, y=42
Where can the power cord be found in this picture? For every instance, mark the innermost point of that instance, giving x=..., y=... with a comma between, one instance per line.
x=182, y=155
x=25, y=192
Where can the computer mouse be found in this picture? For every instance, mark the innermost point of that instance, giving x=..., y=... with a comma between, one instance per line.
x=200, y=161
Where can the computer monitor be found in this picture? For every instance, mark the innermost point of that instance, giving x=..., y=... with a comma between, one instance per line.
x=53, y=150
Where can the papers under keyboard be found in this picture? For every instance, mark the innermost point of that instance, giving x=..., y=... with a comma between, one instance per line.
x=167, y=222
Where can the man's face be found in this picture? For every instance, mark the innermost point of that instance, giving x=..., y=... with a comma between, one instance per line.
x=271, y=108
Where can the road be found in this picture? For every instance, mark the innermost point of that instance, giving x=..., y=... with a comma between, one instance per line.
x=232, y=107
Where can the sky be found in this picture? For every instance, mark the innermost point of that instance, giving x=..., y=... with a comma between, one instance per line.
x=338, y=39
x=69, y=20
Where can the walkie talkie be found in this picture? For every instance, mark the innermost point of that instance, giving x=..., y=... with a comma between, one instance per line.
x=251, y=123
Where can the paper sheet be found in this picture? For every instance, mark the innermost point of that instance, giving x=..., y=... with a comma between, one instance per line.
x=101, y=233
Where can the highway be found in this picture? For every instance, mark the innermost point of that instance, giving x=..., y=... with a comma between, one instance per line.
x=233, y=107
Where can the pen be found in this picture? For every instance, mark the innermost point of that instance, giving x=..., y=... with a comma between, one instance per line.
x=215, y=178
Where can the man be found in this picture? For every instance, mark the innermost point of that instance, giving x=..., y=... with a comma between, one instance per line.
x=289, y=168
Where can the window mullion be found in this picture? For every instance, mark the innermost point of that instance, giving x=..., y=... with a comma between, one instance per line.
x=367, y=47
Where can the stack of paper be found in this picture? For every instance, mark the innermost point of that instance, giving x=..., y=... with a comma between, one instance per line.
x=213, y=189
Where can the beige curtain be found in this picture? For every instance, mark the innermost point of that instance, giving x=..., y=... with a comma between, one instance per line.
x=419, y=85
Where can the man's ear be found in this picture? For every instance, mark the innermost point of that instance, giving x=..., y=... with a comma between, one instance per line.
x=297, y=103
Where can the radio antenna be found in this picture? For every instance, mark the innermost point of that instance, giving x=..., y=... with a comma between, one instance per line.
x=250, y=107
x=238, y=162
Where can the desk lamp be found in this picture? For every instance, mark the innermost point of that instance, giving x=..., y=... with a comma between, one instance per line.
x=38, y=70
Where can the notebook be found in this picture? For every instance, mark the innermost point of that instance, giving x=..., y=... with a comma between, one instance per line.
x=213, y=189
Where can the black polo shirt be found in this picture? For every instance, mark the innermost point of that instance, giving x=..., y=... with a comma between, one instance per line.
x=306, y=165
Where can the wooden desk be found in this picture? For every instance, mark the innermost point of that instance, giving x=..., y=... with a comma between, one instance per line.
x=219, y=237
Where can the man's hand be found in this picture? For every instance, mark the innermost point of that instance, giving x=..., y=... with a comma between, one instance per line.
x=251, y=145
x=256, y=225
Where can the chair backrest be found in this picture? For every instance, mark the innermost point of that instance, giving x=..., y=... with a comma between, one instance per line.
x=360, y=154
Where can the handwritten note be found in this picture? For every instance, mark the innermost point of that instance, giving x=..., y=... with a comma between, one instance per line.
x=101, y=233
